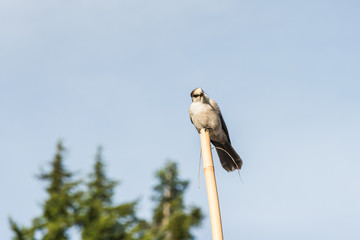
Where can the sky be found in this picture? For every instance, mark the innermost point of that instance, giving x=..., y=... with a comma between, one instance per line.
x=119, y=74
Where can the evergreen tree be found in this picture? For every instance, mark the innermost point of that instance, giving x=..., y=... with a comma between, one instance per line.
x=100, y=219
x=21, y=233
x=171, y=220
x=60, y=207
x=93, y=212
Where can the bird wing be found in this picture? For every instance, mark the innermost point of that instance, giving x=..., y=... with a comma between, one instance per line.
x=224, y=127
x=217, y=109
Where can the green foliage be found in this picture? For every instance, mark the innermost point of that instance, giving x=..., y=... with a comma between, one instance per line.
x=21, y=233
x=89, y=207
x=61, y=206
x=171, y=220
x=99, y=218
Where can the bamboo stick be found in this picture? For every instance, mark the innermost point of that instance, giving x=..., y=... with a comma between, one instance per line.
x=213, y=199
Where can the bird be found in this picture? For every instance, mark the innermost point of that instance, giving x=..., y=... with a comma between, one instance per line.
x=205, y=113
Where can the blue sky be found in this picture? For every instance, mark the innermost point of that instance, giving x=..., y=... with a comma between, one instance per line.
x=119, y=73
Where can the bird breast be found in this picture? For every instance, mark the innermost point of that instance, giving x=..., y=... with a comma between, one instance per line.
x=204, y=116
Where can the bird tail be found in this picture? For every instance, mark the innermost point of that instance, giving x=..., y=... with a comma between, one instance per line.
x=229, y=158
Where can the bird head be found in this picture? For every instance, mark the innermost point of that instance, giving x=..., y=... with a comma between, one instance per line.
x=198, y=95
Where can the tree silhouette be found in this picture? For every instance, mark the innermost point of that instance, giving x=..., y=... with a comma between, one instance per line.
x=88, y=206
x=99, y=218
x=171, y=219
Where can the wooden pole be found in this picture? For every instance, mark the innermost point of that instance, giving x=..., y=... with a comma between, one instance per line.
x=213, y=199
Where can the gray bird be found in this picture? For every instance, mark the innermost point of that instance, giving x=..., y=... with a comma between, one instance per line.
x=205, y=113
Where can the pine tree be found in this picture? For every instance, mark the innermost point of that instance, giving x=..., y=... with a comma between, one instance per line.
x=21, y=233
x=171, y=219
x=100, y=219
x=92, y=210
x=60, y=207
